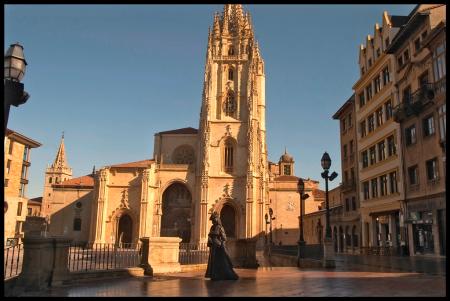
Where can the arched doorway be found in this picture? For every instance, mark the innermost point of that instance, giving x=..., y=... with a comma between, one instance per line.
x=354, y=238
x=341, y=239
x=176, y=212
x=125, y=231
x=228, y=219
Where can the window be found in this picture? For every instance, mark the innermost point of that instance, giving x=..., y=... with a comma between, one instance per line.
x=353, y=203
x=428, y=126
x=391, y=146
x=351, y=147
x=362, y=70
x=393, y=181
x=349, y=118
x=410, y=135
x=372, y=155
x=379, y=116
x=77, y=224
x=388, y=109
x=26, y=152
x=370, y=123
x=347, y=205
x=231, y=50
x=407, y=94
x=378, y=52
x=228, y=156
x=439, y=62
x=362, y=127
x=423, y=80
x=230, y=105
x=18, y=227
x=287, y=170
x=19, y=208
x=374, y=184
x=365, y=159
x=413, y=175
x=386, y=42
x=345, y=177
x=352, y=173
x=30, y=211
x=345, y=150
x=386, y=78
x=8, y=166
x=432, y=169
x=442, y=122
x=343, y=125
x=370, y=62
x=11, y=145
x=369, y=92
x=50, y=180
x=22, y=190
x=24, y=171
x=230, y=74
x=366, y=190
x=377, y=83
x=400, y=61
x=417, y=45
x=406, y=55
x=362, y=100
x=6, y=182
x=381, y=151
x=383, y=185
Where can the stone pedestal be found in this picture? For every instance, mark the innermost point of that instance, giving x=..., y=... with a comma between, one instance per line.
x=34, y=226
x=328, y=254
x=61, y=247
x=163, y=254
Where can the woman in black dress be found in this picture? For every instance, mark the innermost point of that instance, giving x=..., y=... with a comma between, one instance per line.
x=219, y=263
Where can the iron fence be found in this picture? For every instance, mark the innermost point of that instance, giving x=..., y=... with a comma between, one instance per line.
x=193, y=253
x=103, y=256
x=13, y=257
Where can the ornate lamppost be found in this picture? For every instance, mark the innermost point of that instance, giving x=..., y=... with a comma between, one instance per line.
x=303, y=196
x=15, y=66
x=328, y=254
x=270, y=224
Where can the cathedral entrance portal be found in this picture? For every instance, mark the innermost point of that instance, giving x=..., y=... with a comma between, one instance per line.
x=228, y=219
x=125, y=230
x=176, y=212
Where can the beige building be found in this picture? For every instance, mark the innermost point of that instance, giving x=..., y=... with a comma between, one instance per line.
x=348, y=224
x=17, y=163
x=378, y=139
x=222, y=166
x=419, y=51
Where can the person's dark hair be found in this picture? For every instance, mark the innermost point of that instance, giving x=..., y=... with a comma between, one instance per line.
x=215, y=216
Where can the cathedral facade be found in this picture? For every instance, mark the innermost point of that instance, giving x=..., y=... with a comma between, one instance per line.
x=222, y=166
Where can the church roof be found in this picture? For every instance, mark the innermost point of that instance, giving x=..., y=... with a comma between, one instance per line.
x=318, y=194
x=187, y=130
x=142, y=163
x=60, y=160
x=84, y=181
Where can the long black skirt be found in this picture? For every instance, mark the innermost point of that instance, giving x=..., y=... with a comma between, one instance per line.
x=219, y=265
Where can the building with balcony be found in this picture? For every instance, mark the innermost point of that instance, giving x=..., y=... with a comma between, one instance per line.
x=420, y=79
x=17, y=164
x=378, y=139
x=348, y=222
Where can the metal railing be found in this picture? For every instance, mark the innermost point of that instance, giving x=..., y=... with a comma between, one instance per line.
x=193, y=253
x=103, y=256
x=380, y=251
x=13, y=258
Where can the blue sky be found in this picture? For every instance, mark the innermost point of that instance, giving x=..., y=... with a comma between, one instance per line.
x=111, y=76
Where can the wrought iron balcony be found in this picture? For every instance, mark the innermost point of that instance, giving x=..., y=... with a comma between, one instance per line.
x=416, y=102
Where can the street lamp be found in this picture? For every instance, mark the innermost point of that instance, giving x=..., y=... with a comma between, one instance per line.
x=303, y=196
x=326, y=164
x=328, y=248
x=15, y=66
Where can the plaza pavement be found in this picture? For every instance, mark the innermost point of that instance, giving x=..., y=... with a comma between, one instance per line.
x=353, y=276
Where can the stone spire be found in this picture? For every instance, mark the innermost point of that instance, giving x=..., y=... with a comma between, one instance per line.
x=60, y=160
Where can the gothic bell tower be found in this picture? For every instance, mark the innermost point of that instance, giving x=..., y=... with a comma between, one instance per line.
x=232, y=165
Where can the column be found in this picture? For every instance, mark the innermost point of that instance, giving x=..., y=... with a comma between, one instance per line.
x=435, y=230
x=373, y=232
x=392, y=229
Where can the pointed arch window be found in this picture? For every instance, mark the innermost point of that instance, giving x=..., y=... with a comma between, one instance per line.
x=231, y=50
x=228, y=156
x=50, y=180
x=230, y=105
x=230, y=74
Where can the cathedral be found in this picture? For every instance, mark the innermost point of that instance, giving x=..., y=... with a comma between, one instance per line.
x=222, y=166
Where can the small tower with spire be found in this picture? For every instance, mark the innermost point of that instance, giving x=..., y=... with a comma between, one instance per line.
x=57, y=173
x=286, y=164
